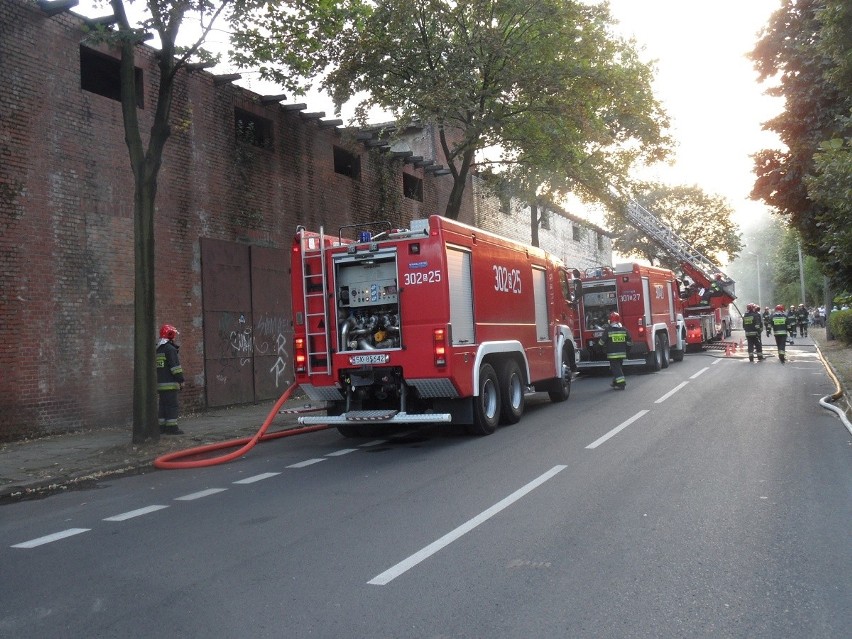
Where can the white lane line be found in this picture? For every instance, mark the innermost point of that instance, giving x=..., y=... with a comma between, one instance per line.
x=32, y=543
x=338, y=453
x=616, y=430
x=251, y=480
x=406, y=564
x=702, y=371
x=135, y=513
x=307, y=462
x=200, y=494
x=670, y=393
x=375, y=442
x=717, y=361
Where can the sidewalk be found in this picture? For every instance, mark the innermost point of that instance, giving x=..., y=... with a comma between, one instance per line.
x=35, y=468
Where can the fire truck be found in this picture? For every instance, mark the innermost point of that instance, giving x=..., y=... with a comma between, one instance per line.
x=708, y=292
x=649, y=302
x=440, y=322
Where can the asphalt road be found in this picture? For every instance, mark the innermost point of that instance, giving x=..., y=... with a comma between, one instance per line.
x=711, y=499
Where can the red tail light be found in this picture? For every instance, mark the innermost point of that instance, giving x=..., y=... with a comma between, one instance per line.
x=439, y=346
x=299, y=357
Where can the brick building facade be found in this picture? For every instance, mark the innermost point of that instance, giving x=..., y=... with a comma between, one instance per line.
x=239, y=174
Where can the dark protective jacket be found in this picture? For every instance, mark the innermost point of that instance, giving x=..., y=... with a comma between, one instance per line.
x=803, y=316
x=779, y=323
x=752, y=323
x=792, y=320
x=615, y=339
x=169, y=370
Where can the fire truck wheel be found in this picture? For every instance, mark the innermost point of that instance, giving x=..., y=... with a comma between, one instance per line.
x=350, y=430
x=666, y=351
x=486, y=406
x=562, y=385
x=654, y=359
x=511, y=392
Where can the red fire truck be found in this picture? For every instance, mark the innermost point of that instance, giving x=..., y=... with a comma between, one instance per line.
x=648, y=300
x=441, y=322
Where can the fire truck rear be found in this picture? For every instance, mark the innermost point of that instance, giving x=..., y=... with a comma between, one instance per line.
x=648, y=300
x=441, y=322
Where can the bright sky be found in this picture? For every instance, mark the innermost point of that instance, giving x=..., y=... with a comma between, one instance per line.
x=709, y=88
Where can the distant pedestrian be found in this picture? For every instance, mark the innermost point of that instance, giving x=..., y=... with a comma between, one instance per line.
x=169, y=380
x=753, y=326
x=615, y=340
x=779, y=329
x=767, y=323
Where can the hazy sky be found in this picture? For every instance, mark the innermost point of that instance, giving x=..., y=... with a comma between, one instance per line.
x=709, y=88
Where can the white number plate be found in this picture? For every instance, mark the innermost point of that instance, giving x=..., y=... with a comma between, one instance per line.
x=360, y=360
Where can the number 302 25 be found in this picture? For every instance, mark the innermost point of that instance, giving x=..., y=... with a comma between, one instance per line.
x=507, y=280
x=421, y=277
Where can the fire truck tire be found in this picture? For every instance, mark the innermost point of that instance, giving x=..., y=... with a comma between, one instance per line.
x=511, y=392
x=350, y=430
x=666, y=350
x=486, y=406
x=677, y=355
x=654, y=359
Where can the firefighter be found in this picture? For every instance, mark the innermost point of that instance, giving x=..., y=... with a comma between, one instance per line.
x=616, y=339
x=779, y=329
x=792, y=321
x=767, y=324
x=169, y=380
x=803, y=316
x=753, y=326
x=714, y=290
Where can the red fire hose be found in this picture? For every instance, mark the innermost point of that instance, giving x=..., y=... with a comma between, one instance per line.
x=246, y=443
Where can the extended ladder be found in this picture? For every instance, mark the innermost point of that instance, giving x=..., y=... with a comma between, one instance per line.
x=315, y=292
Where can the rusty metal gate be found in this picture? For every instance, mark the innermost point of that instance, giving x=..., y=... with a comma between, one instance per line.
x=247, y=333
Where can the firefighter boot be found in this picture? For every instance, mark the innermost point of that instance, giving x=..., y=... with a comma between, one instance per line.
x=750, y=357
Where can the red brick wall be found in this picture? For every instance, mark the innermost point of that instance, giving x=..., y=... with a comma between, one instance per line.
x=66, y=218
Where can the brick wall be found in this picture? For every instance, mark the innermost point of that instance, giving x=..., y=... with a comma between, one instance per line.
x=66, y=216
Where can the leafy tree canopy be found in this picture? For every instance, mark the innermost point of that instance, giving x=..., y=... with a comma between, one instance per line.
x=702, y=220
x=806, y=52
x=542, y=84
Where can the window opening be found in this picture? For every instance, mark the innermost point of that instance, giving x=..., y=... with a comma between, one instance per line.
x=101, y=74
x=412, y=187
x=347, y=163
x=252, y=129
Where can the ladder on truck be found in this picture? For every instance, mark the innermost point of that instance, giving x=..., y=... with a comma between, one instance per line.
x=675, y=245
x=315, y=299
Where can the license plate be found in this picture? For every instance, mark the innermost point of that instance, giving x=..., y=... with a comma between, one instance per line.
x=360, y=360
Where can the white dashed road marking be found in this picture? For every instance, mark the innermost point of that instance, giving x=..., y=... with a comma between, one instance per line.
x=617, y=429
x=261, y=477
x=307, y=462
x=32, y=543
x=135, y=513
x=671, y=392
x=200, y=494
x=406, y=564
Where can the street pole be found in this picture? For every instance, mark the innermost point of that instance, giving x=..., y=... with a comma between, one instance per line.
x=802, y=275
x=759, y=296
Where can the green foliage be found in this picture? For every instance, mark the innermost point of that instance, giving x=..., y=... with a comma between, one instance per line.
x=840, y=324
x=806, y=52
x=702, y=220
x=787, y=280
x=544, y=81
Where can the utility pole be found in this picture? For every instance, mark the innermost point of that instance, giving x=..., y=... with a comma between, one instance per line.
x=802, y=274
x=759, y=296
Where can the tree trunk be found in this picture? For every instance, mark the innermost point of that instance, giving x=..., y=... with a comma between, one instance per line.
x=145, y=425
x=534, y=223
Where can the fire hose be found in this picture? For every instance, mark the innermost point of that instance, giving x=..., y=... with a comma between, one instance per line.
x=245, y=444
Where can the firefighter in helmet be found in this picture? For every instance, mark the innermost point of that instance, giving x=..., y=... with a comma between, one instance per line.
x=767, y=324
x=713, y=290
x=803, y=317
x=169, y=380
x=753, y=326
x=779, y=329
x=792, y=322
x=615, y=340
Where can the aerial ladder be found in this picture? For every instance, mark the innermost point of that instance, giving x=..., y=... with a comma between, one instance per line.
x=707, y=315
